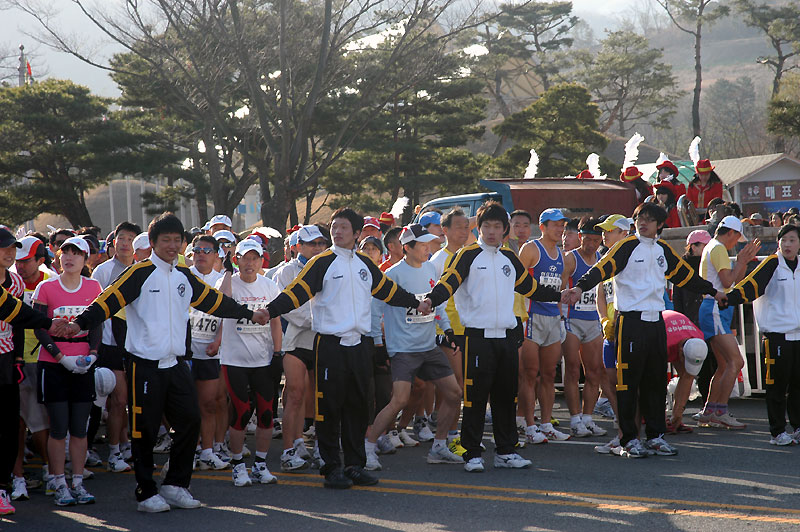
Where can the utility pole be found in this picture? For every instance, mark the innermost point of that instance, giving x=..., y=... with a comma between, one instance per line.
x=23, y=66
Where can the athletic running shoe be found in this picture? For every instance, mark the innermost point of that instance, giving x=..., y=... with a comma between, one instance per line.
x=579, y=430
x=163, y=444
x=781, y=439
x=677, y=428
x=474, y=465
x=19, y=489
x=443, y=455
x=301, y=450
x=245, y=451
x=511, y=461
x=727, y=420
x=455, y=447
x=703, y=418
x=214, y=463
x=660, y=447
x=277, y=430
x=359, y=476
x=5, y=504
x=50, y=487
x=316, y=460
x=534, y=436
x=603, y=408
x=522, y=425
x=93, y=459
x=224, y=452
x=81, y=495
x=607, y=448
x=373, y=464
x=407, y=440
x=179, y=497
x=87, y=474
x=116, y=464
x=33, y=483
x=251, y=425
x=595, y=429
x=63, y=497
x=422, y=430
x=385, y=445
x=261, y=475
x=291, y=462
x=394, y=437
x=552, y=434
x=337, y=480
x=127, y=451
x=154, y=504
x=634, y=449
x=796, y=436
x=240, y=476
x=310, y=434
x=433, y=419
x=46, y=476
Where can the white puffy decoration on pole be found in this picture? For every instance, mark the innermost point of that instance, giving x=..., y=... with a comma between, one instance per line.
x=593, y=165
x=398, y=207
x=694, y=150
x=632, y=150
x=533, y=166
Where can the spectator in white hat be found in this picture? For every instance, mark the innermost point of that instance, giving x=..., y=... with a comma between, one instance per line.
x=141, y=247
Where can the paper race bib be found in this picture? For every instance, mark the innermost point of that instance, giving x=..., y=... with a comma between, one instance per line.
x=250, y=327
x=553, y=280
x=588, y=301
x=69, y=313
x=415, y=316
x=204, y=327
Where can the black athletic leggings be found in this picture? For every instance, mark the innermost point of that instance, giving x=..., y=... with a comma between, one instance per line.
x=66, y=416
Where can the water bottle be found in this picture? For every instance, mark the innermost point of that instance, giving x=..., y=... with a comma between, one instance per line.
x=83, y=361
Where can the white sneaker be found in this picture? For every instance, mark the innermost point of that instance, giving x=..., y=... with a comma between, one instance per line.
x=50, y=487
x=385, y=445
x=240, y=476
x=224, y=452
x=595, y=429
x=422, y=430
x=474, y=465
x=93, y=459
x=117, y=465
x=154, y=504
x=214, y=463
x=522, y=425
x=394, y=437
x=246, y=452
x=607, y=448
x=290, y=461
x=316, y=459
x=179, y=497
x=163, y=444
x=301, y=450
x=796, y=436
x=534, y=436
x=579, y=430
x=552, y=434
x=251, y=425
x=511, y=461
x=443, y=455
x=87, y=474
x=407, y=440
x=127, y=451
x=781, y=439
x=373, y=464
x=310, y=434
x=261, y=474
x=19, y=489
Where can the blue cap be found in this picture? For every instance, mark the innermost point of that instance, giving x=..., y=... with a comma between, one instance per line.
x=430, y=217
x=552, y=215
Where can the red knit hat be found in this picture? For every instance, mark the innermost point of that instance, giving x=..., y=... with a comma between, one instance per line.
x=386, y=218
x=703, y=166
x=631, y=173
x=585, y=174
x=669, y=166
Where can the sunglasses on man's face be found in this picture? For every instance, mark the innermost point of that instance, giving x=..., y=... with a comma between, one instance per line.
x=205, y=251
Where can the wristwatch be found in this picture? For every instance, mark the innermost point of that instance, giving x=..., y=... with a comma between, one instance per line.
x=277, y=353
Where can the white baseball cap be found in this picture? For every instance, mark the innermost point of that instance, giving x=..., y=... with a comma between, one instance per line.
x=294, y=238
x=142, y=241
x=248, y=244
x=415, y=232
x=695, y=352
x=30, y=245
x=78, y=242
x=104, y=383
x=308, y=233
x=735, y=224
x=224, y=233
x=220, y=219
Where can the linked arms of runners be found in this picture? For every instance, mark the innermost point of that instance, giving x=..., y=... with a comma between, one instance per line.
x=607, y=267
x=212, y=301
x=121, y=292
x=526, y=284
x=387, y=290
x=18, y=314
x=454, y=275
x=754, y=285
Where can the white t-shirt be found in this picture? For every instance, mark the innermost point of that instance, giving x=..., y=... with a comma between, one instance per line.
x=204, y=326
x=245, y=343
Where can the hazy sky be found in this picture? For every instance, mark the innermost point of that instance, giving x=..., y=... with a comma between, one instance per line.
x=14, y=25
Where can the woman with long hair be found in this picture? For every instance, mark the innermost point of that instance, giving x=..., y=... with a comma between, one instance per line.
x=705, y=186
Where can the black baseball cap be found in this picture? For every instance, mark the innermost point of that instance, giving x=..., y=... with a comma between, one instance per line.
x=7, y=239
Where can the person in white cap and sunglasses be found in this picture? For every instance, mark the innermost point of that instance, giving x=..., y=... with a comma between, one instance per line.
x=774, y=289
x=218, y=222
x=247, y=349
x=716, y=267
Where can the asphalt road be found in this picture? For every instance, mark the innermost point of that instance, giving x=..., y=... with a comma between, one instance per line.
x=721, y=480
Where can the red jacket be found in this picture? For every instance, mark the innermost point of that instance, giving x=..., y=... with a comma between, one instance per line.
x=702, y=195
